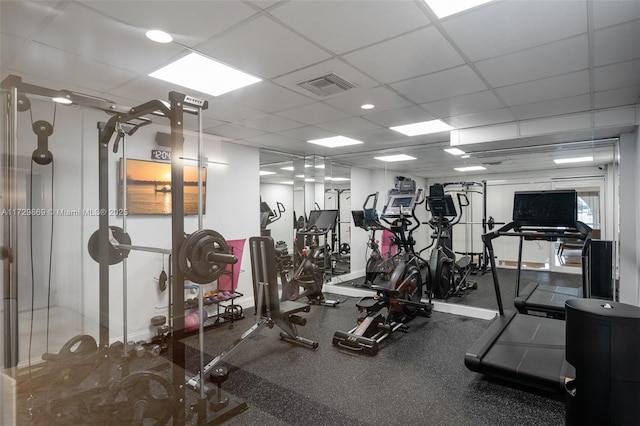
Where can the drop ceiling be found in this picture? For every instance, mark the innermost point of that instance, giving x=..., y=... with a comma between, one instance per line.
x=522, y=81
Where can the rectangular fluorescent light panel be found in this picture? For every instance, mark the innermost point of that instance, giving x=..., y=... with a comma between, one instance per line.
x=393, y=158
x=265, y=173
x=422, y=128
x=470, y=168
x=454, y=151
x=572, y=160
x=444, y=8
x=203, y=74
x=335, y=141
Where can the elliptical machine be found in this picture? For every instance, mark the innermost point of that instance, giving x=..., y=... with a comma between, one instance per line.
x=379, y=264
x=448, y=276
x=400, y=300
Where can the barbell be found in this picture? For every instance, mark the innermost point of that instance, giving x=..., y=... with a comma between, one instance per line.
x=202, y=258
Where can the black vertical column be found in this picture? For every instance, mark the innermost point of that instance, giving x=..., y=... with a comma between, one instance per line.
x=177, y=237
x=103, y=232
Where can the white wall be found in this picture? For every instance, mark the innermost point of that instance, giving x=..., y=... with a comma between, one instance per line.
x=629, y=217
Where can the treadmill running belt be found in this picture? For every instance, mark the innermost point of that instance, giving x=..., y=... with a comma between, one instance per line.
x=530, y=351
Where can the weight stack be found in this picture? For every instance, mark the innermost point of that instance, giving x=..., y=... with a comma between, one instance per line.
x=602, y=344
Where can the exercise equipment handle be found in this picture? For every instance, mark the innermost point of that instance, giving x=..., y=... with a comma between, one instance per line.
x=226, y=258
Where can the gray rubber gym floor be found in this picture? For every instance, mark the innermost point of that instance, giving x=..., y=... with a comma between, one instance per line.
x=418, y=378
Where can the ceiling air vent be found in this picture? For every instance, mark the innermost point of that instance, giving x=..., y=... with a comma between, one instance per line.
x=327, y=85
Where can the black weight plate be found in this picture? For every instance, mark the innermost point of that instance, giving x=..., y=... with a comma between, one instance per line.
x=115, y=255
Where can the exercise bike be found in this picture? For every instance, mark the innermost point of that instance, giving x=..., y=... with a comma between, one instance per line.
x=308, y=278
x=448, y=275
x=401, y=299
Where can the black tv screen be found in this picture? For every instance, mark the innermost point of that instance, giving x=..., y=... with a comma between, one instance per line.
x=323, y=219
x=442, y=205
x=546, y=208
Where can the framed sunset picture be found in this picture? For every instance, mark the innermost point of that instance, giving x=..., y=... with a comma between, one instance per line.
x=149, y=187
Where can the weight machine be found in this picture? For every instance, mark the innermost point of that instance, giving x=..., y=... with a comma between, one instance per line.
x=200, y=257
x=401, y=300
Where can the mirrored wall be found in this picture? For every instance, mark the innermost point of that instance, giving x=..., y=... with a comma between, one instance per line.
x=302, y=193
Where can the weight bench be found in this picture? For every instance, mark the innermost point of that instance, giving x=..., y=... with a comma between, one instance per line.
x=265, y=291
x=270, y=310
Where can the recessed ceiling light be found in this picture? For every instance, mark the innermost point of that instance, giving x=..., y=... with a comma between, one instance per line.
x=454, y=151
x=397, y=157
x=287, y=182
x=422, y=128
x=205, y=75
x=335, y=141
x=265, y=173
x=469, y=168
x=465, y=156
x=444, y=8
x=159, y=36
x=288, y=168
x=299, y=176
x=339, y=179
x=572, y=160
x=309, y=180
x=367, y=106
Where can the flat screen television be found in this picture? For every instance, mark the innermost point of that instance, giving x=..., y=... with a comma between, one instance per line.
x=555, y=208
x=149, y=188
x=323, y=219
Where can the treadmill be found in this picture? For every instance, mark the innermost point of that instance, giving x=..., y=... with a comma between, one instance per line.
x=527, y=349
x=543, y=299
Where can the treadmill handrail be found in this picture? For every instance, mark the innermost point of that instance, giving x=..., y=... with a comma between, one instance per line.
x=515, y=229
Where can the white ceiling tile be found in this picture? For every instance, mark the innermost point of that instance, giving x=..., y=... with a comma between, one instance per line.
x=231, y=112
x=233, y=131
x=617, y=75
x=483, y=118
x=342, y=26
x=335, y=66
x=539, y=62
x=349, y=127
x=63, y=66
x=546, y=89
x=275, y=141
x=266, y=96
x=103, y=40
x=465, y=104
x=272, y=123
x=399, y=117
x=23, y=18
x=554, y=107
x=606, y=12
x=508, y=26
x=189, y=22
x=441, y=85
x=307, y=133
x=258, y=47
x=617, y=97
x=9, y=46
x=421, y=52
x=314, y=113
x=383, y=99
x=617, y=44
